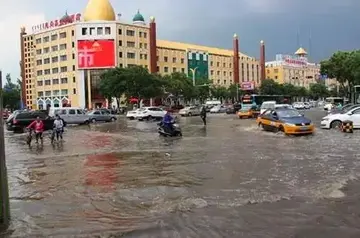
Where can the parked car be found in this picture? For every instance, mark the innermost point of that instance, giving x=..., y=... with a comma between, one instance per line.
x=132, y=114
x=21, y=120
x=218, y=109
x=307, y=105
x=299, y=105
x=149, y=113
x=335, y=120
x=99, y=115
x=234, y=108
x=190, y=111
x=71, y=115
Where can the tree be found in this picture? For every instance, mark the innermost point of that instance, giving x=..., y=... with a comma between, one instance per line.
x=178, y=85
x=289, y=90
x=11, y=95
x=113, y=84
x=318, y=90
x=270, y=87
x=234, y=91
x=202, y=89
x=219, y=92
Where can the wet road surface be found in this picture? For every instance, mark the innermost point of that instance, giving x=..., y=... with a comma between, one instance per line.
x=230, y=179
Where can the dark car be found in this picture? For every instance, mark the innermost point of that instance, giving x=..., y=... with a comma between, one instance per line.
x=18, y=122
x=232, y=109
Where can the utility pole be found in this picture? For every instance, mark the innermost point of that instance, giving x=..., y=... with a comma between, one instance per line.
x=193, y=74
x=4, y=190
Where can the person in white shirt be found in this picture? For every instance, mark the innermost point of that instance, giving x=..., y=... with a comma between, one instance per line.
x=58, y=127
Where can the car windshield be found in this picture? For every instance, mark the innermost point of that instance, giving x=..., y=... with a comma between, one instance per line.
x=288, y=113
x=267, y=106
x=346, y=109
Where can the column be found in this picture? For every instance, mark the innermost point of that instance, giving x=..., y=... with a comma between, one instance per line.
x=262, y=61
x=236, y=59
x=153, y=56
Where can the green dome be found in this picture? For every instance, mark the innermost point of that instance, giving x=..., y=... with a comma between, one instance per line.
x=138, y=17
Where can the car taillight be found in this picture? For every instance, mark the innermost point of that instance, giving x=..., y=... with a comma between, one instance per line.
x=15, y=121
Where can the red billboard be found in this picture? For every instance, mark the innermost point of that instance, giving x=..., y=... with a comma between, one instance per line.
x=94, y=54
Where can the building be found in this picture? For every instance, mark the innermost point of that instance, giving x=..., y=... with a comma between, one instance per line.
x=296, y=70
x=62, y=60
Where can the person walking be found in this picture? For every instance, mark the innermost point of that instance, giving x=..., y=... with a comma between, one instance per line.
x=38, y=127
x=203, y=114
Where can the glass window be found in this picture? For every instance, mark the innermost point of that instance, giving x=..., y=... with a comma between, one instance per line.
x=72, y=112
x=107, y=31
x=79, y=112
x=97, y=113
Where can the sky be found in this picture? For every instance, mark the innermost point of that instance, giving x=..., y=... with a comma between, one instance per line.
x=332, y=25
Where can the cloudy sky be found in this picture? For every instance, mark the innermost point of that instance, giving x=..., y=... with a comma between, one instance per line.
x=332, y=24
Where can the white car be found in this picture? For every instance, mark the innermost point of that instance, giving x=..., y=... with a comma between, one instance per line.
x=335, y=120
x=149, y=113
x=218, y=109
x=299, y=105
x=132, y=114
x=307, y=105
x=328, y=106
x=190, y=111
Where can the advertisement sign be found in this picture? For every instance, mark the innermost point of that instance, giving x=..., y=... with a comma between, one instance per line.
x=247, y=86
x=56, y=23
x=94, y=54
x=292, y=60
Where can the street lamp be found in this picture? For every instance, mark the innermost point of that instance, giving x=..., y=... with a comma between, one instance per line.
x=193, y=71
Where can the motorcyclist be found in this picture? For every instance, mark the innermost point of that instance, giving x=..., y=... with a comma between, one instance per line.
x=58, y=127
x=38, y=127
x=168, y=122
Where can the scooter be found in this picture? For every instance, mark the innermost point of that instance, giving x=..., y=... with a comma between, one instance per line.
x=163, y=131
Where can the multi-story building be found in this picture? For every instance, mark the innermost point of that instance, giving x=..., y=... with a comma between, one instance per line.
x=296, y=70
x=62, y=60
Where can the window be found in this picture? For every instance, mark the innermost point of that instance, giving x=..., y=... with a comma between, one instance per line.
x=39, y=83
x=140, y=34
x=39, y=62
x=182, y=60
x=47, y=61
x=64, y=80
x=182, y=70
x=97, y=113
x=120, y=32
x=92, y=31
x=73, y=56
x=130, y=55
x=72, y=33
x=212, y=72
x=166, y=59
x=40, y=94
x=120, y=54
x=63, y=69
x=54, y=37
x=47, y=71
x=46, y=50
x=224, y=65
x=84, y=31
x=62, y=35
x=174, y=60
x=100, y=31
x=145, y=34
x=166, y=69
x=130, y=44
x=72, y=112
x=38, y=51
x=107, y=31
x=79, y=112
x=174, y=70
x=130, y=33
x=55, y=59
x=55, y=81
x=224, y=73
x=46, y=39
x=145, y=45
x=38, y=41
x=63, y=47
x=218, y=64
x=55, y=70
x=47, y=82
x=74, y=90
x=63, y=58
x=120, y=42
x=60, y=112
x=276, y=71
x=64, y=92
x=39, y=72
x=74, y=79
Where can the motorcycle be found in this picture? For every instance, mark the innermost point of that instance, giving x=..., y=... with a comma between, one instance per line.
x=164, y=131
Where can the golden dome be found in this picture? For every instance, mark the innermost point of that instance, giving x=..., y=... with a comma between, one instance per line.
x=99, y=10
x=301, y=51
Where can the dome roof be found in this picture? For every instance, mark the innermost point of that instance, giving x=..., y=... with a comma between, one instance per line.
x=301, y=51
x=66, y=17
x=138, y=17
x=99, y=10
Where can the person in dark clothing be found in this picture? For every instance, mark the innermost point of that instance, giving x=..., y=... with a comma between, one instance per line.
x=203, y=114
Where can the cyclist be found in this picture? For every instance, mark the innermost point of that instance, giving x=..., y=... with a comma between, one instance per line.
x=38, y=127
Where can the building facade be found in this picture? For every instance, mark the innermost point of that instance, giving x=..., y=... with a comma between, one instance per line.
x=62, y=60
x=296, y=70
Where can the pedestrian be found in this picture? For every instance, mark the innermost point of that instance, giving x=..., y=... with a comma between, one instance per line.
x=203, y=114
x=38, y=127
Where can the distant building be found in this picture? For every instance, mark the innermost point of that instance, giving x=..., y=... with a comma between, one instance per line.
x=62, y=60
x=293, y=69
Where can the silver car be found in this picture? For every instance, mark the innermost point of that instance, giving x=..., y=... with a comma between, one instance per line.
x=99, y=115
x=190, y=111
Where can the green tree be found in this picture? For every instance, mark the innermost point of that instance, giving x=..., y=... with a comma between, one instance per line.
x=202, y=89
x=234, y=92
x=11, y=94
x=318, y=90
x=113, y=84
x=219, y=92
x=289, y=90
x=270, y=87
x=179, y=85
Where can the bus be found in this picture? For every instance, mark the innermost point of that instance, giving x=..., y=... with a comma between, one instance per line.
x=250, y=104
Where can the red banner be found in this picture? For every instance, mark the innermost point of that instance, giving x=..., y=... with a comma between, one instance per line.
x=96, y=54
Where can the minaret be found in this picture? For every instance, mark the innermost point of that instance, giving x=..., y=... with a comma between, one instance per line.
x=236, y=59
x=22, y=66
x=262, y=61
x=153, y=56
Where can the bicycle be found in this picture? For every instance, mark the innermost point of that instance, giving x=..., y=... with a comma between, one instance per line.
x=58, y=133
x=29, y=137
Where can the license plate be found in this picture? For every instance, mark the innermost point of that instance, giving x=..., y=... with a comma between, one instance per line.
x=304, y=128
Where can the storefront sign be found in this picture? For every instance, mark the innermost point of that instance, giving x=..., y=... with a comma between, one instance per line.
x=96, y=54
x=247, y=85
x=56, y=23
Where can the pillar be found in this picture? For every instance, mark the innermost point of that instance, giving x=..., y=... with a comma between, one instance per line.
x=262, y=61
x=153, y=55
x=4, y=189
x=22, y=67
x=236, y=59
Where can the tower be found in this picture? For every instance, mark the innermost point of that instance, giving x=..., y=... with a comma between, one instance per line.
x=153, y=56
x=262, y=60
x=236, y=59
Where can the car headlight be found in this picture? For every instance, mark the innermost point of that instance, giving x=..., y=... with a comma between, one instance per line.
x=289, y=124
x=325, y=119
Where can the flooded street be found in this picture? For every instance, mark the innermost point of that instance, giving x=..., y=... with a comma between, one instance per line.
x=230, y=179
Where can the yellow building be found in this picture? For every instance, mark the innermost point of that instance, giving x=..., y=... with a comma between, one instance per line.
x=295, y=70
x=62, y=60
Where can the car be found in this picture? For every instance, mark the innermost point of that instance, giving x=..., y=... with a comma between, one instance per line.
x=284, y=106
x=71, y=115
x=218, y=109
x=334, y=120
x=149, y=113
x=299, y=105
x=100, y=115
x=132, y=114
x=328, y=106
x=307, y=105
x=234, y=108
x=190, y=111
x=267, y=105
x=19, y=121
x=289, y=121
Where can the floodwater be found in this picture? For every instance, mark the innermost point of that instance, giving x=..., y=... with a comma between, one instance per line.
x=230, y=179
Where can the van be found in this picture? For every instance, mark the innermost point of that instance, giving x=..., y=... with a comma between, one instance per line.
x=267, y=105
x=71, y=115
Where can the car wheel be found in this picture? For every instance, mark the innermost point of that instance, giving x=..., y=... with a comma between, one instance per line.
x=281, y=128
x=189, y=114
x=86, y=122
x=93, y=120
x=113, y=119
x=335, y=124
x=149, y=118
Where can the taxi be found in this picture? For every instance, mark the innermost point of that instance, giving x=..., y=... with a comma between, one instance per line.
x=248, y=112
x=287, y=120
